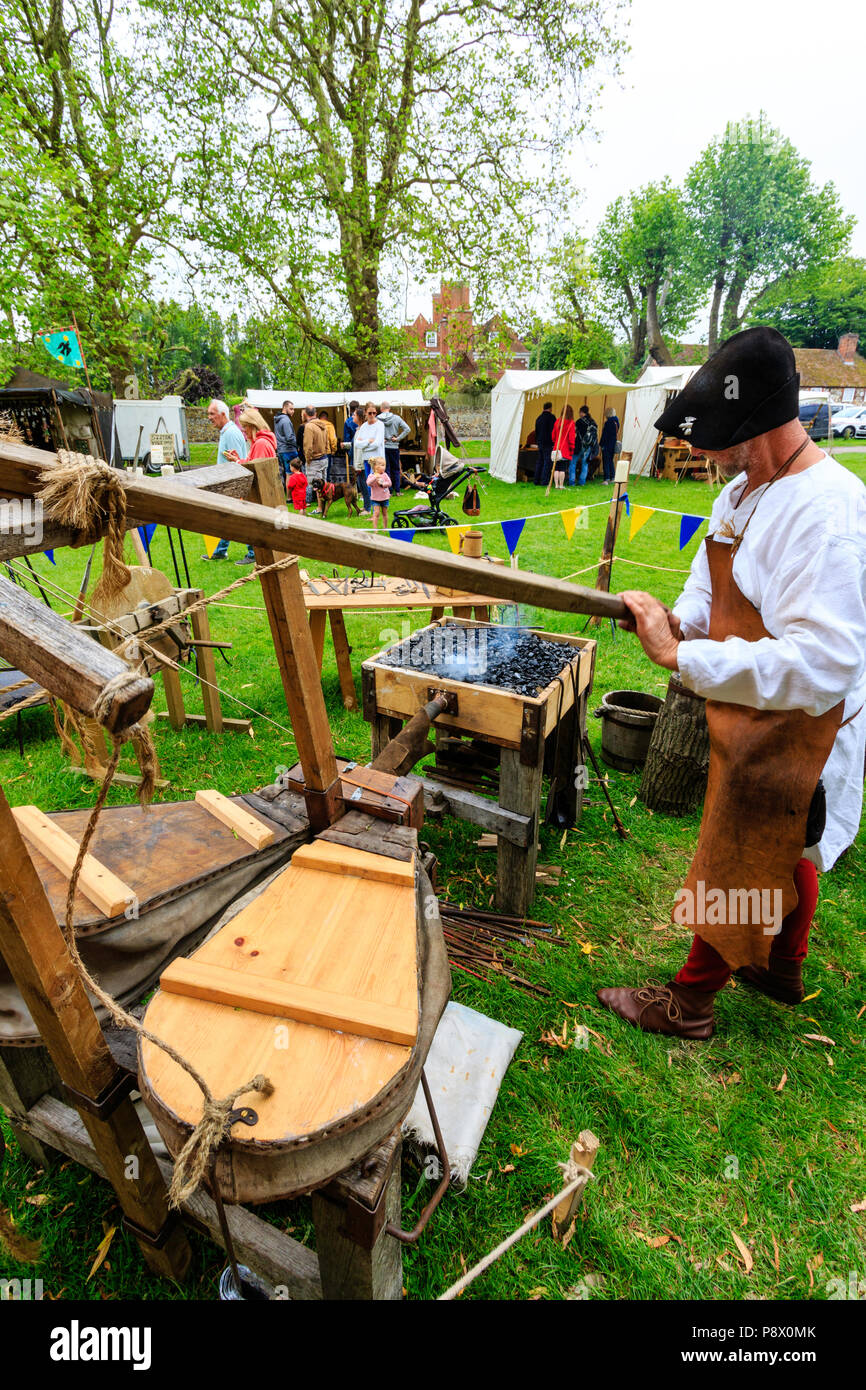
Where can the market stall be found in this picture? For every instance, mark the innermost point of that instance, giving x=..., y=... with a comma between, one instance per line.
x=518, y=398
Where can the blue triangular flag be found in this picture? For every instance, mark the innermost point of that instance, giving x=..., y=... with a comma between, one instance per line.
x=511, y=530
x=402, y=533
x=624, y=499
x=146, y=533
x=50, y=554
x=688, y=527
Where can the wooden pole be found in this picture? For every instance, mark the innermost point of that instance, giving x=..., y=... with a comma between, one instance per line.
x=100, y=441
x=70, y=665
x=174, y=503
x=610, y=533
x=35, y=951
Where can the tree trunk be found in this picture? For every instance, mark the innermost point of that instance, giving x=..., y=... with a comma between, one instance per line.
x=715, y=306
x=732, y=320
x=675, y=773
x=365, y=374
x=655, y=342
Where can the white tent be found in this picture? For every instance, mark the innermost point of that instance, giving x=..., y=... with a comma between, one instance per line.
x=653, y=389
x=518, y=398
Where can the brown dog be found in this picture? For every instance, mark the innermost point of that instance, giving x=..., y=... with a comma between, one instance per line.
x=328, y=493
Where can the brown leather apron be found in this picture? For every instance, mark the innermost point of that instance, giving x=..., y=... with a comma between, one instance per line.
x=764, y=768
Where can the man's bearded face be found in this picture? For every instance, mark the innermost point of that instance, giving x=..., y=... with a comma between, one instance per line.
x=731, y=461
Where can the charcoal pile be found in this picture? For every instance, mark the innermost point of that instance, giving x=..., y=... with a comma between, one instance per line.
x=509, y=658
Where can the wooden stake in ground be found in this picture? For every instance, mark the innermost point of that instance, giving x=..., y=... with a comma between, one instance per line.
x=582, y=1156
x=617, y=502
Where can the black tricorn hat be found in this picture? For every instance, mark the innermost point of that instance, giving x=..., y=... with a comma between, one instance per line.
x=749, y=386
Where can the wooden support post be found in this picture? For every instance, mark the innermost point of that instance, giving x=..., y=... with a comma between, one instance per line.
x=33, y=947
x=174, y=697
x=519, y=790
x=610, y=533
x=26, y=1075
x=342, y=652
x=583, y=1152
x=318, y=623
x=293, y=644
x=437, y=613
x=383, y=728
x=205, y=665
x=349, y=1269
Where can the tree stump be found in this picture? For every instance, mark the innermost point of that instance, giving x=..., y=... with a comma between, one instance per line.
x=675, y=773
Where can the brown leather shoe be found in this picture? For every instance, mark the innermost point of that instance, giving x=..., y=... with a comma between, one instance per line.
x=783, y=980
x=673, y=1009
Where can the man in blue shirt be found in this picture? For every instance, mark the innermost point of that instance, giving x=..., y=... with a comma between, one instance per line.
x=231, y=437
x=287, y=444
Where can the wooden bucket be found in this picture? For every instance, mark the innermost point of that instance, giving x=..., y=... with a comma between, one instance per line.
x=629, y=718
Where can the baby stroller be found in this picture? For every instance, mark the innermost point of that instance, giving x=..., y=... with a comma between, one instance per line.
x=439, y=488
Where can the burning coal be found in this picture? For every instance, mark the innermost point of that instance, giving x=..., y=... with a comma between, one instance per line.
x=506, y=657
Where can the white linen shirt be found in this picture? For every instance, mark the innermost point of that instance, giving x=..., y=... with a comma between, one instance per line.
x=802, y=563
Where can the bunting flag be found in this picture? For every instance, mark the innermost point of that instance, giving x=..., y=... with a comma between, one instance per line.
x=50, y=554
x=210, y=544
x=639, y=517
x=512, y=531
x=569, y=519
x=64, y=346
x=146, y=533
x=624, y=499
x=455, y=535
x=688, y=527
x=402, y=533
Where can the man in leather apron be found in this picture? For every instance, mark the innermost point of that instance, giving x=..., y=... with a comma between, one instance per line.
x=752, y=889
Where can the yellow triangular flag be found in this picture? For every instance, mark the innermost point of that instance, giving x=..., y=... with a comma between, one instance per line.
x=569, y=520
x=454, y=534
x=210, y=544
x=639, y=517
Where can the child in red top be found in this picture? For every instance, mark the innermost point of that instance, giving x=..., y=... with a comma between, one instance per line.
x=380, y=492
x=296, y=486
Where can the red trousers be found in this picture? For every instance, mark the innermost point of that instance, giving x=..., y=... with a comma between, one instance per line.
x=705, y=970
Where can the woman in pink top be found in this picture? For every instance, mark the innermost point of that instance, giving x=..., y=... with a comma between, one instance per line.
x=263, y=445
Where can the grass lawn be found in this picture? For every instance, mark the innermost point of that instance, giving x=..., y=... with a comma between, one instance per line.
x=756, y=1133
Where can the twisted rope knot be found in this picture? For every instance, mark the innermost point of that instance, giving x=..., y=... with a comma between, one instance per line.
x=193, y=1160
x=85, y=494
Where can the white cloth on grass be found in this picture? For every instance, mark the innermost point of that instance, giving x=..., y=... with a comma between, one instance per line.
x=467, y=1060
x=802, y=563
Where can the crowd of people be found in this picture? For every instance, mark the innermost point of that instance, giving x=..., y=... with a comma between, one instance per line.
x=568, y=448
x=367, y=458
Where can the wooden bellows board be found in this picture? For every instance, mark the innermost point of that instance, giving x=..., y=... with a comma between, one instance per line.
x=314, y=983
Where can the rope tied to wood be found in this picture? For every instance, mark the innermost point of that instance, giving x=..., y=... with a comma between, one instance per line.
x=192, y=1163
x=85, y=494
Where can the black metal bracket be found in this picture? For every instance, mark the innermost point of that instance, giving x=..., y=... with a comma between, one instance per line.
x=109, y=1097
x=157, y=1241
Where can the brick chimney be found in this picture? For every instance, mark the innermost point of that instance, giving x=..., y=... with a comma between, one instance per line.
x=848, y=347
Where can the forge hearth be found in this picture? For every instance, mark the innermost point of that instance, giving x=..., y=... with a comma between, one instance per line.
x=522, y=695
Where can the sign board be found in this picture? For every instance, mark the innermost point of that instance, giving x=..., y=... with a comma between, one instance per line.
x=161, y=448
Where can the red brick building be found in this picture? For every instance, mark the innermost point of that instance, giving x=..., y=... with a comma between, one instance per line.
x=451, y=345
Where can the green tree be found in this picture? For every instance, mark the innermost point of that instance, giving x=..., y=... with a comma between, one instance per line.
x=641, y=260
x=815, y=307
x=366, y=129
x=757, y=220
x=85, y=181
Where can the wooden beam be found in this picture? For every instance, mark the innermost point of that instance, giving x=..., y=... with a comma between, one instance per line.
x=272, y=527
x=33, y=947
x=337, y=859
x=104, y=889
x=247, y=826
x=239, y=989
x=478, y=810
x=68, y=663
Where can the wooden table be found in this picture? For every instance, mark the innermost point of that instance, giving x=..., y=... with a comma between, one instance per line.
x=325, y=599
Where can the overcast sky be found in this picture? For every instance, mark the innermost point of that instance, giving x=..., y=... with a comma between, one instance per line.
x=694, y=65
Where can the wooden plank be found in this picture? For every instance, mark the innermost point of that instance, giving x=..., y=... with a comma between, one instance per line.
x=325, y=1009
x=347, y=1270
x=26, y=1074
x=34, y=949
x=478, y=810
x=174, y=697
x=68, y=663
x=104, y=889
x=287, y=616
x=356, y=863
x=248, y=826
x=342, y=651
x=318, y=622
x=263, y=1248
x=205, y=664
x=229, y=726
x=271, y=526
x=519, y=790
